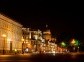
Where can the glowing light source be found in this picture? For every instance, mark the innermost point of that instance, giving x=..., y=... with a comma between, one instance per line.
x=8, y=39
x=44, y=51
x=3, y=35
x=22, y=39
x=63, y=44
x=26, y=49
x=36, y=37
x=73, y=41
x=26, y=42
x=53, y=51
x=15, y=50
x=30, y=35
x=77, y=43
x=43, y=40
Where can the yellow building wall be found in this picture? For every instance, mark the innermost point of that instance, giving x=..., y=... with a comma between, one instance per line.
x=13, y=32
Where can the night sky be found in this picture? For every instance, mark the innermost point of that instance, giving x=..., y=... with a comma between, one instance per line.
x=64, y=24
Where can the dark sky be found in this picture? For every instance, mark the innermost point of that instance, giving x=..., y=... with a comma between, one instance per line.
x=36, y=14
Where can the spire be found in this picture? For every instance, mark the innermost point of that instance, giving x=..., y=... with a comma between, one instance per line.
x=46, y=26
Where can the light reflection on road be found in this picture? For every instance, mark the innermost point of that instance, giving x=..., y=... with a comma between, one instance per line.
x=63, y=57
x=5, y=55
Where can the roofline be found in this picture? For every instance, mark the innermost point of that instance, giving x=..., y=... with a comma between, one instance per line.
x=7, y=17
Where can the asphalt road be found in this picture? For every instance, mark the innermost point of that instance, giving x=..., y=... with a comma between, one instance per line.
x=72, y=57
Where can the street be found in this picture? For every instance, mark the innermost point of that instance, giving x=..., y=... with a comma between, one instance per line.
x=71, y=57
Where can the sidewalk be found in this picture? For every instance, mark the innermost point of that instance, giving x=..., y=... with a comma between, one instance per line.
x=16, y=54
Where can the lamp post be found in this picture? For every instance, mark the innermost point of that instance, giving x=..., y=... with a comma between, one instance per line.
x=63, y=44
x=4, y=36
x=73, y=44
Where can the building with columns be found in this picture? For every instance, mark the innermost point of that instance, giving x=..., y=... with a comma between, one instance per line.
x=13, y=37
x=47, y=35
x=32, y=39
x=50, y=45
x=10, y=34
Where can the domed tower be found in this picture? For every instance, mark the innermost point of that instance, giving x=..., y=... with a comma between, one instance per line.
x=47, y=34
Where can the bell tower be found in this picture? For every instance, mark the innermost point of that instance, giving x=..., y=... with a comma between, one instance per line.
x=47, y=34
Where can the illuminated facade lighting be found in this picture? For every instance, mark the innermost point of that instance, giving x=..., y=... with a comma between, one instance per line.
x=3, y=35
x=73, y=41
x=12, y=32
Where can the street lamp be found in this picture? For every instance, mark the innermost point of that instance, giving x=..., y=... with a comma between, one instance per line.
x=63, y=44
x=4, y=36
x=73, y=44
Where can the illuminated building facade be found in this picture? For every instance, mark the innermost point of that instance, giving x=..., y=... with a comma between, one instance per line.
x=32, y=39
x=15, y=38
x=10, y=34
x=49, y=45
x=47, y=35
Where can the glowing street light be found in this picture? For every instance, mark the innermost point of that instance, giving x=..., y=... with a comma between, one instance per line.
x=26, y=49
x=63, y=44
x=73, y=44
x=22, y=39
x=73, y=41
x=15, y=50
